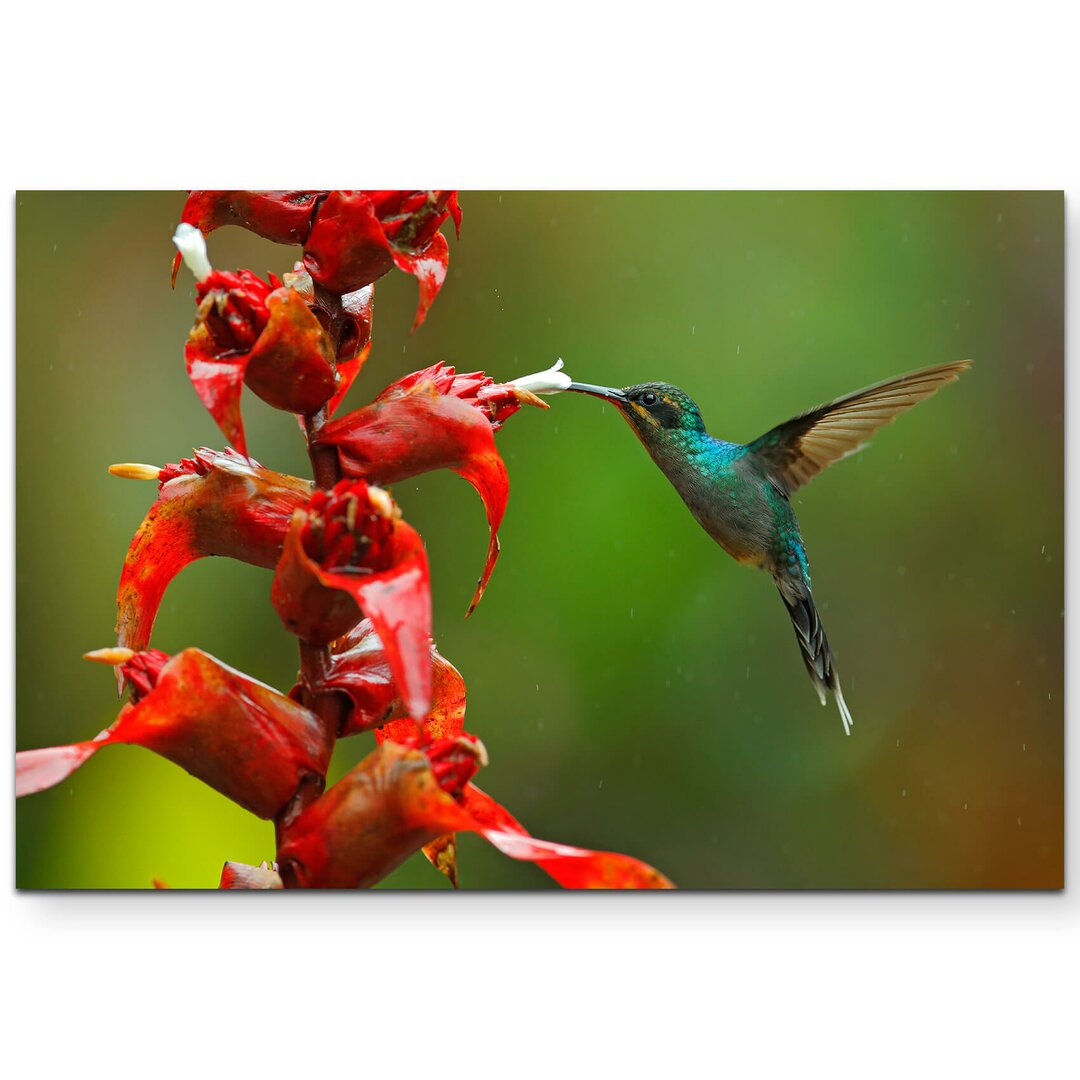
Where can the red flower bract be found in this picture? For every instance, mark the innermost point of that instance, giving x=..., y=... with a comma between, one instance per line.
x=360, y=235
x=347, y=552
x=350, y=238
x=282, y=216
x=347, y=319
x=248, y=332
x=239, y=736
x=434, y=419
x=392, y=804
x=212, y=504
x=358, y=669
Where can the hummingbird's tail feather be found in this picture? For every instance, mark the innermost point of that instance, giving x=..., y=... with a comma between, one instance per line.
x=816, y=653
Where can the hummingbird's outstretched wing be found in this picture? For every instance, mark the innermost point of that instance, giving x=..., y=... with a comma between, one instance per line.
x=796, y=451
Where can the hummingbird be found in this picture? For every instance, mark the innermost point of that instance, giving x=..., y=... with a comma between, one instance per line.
x=740, y=493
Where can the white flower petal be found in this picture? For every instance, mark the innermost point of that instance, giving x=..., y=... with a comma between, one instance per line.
x=552, y=381
x=192, y=245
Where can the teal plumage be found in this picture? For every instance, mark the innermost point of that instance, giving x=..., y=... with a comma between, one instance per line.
x=741, y=493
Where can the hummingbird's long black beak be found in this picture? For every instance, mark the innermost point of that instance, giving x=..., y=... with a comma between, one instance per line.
x=608, y=392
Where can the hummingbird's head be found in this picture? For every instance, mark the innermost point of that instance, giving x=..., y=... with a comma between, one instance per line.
x=655, y=410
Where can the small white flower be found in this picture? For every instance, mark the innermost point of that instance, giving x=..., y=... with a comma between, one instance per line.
x=552, y=381
x=192, y=245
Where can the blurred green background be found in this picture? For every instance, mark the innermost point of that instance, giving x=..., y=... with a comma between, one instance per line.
x=637, y=690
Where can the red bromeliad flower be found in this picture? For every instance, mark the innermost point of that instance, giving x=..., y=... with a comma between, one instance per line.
x=359, y=670
x=254, y=332
x=282, y=216
x=211, y=504
x=360, y=235
x=245, y=740
x=402, y=797
x=350, y=238
x=347, y=319
x=348, y=552
x=434, y=419
x=350, y=576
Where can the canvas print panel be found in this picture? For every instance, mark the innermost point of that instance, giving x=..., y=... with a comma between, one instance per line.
x=692, y=462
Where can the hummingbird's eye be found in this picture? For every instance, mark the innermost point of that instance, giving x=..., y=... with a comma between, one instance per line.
x=648, y=399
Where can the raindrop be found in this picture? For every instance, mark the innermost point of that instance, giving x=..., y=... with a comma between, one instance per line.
x=600, y=786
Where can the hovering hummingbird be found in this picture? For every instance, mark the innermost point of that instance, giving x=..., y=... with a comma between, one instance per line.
x=740, y=492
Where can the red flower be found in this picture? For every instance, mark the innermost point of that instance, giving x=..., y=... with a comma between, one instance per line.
x=350, y=238
x=358, y=669
x=282, y=216
x=254, y=332
x=360, y=235
x=400, y=798
x=211, y=504
x=347, y=319
x=245, y=740
x=434, y=419
x=571, y=867
x=348, y=552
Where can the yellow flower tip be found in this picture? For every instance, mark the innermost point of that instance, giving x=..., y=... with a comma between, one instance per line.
x=382, y=502
x=482, y=755
x=129, y=470
x=114, y=655
x=527, y=397
x=474, y=747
